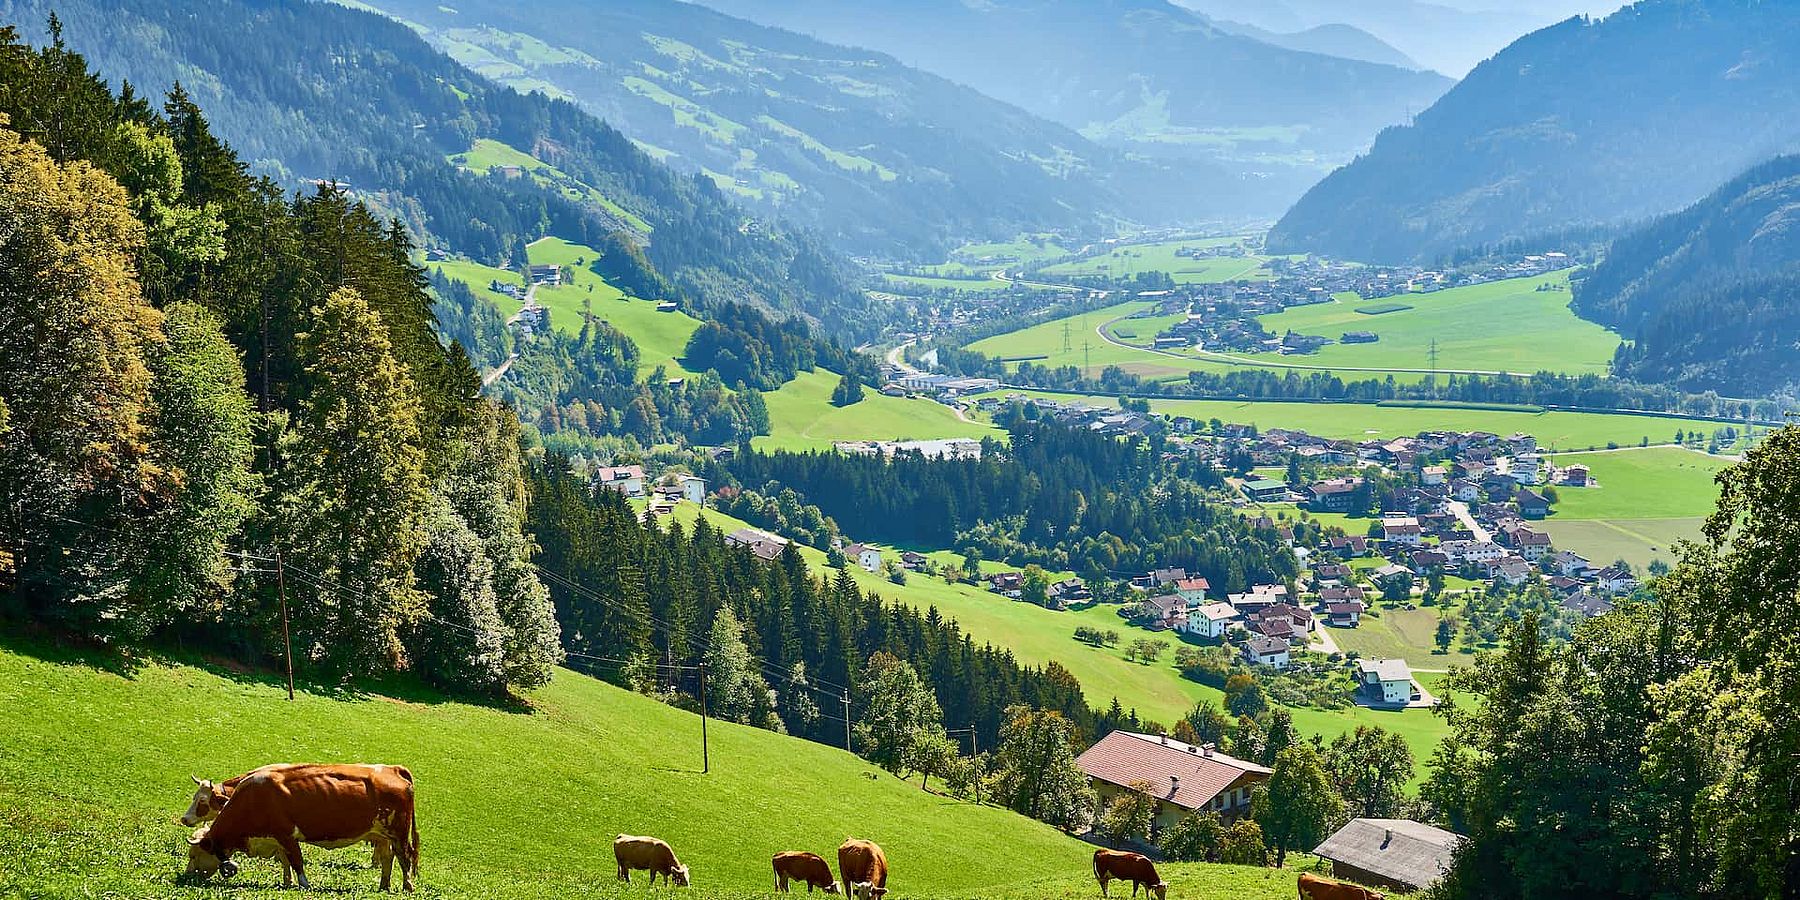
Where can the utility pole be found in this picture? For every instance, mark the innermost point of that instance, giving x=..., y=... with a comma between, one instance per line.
x=286, y=638
x=846, y=700
x=1065, y=330
x=705, y=755
x=1432, y=354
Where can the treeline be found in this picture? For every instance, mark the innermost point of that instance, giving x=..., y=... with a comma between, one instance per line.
x=321, y=91
x=1059, y=497
x=156, y=289
x=1252, y=383
x=637, y=602
x=1653, y=754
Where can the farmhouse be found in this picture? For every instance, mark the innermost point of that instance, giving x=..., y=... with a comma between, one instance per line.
x=1193, y=590
x=1262, y=650
x=765, y=545
x=1395, y=853
x=864, y=555
x=1265, y=491
x=1183, y=778
x=1210, y=620
x=627, y=480
x=1385, y=681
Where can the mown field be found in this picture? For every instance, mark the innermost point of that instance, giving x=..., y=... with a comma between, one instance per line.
x=1645, y=501
x=1037, y=636
x=1501, y=326
x=1568, y=431
x=1045, y=339
x=513, y=802
x=801, y=417
x=1130, y=259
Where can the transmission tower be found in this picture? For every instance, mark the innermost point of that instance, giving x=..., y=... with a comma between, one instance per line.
x=1066, y=336
x=1432, y=354
x=1086, y=362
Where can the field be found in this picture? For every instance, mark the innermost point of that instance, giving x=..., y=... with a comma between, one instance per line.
x=1501, y=326
x=1409, y=634
x=1046, y=339
x=486, y=153
x=801, y=417
x=1037, y=636
x=1131, y=259
x=904, y=283
x=661, y=336
x=1357, y=421
x=514, y=802
x=1645, y=501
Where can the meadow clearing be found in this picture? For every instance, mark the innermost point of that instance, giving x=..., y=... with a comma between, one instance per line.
x=519, y=801
x=1645, y=501
x=1128, y=260
x=801, y=417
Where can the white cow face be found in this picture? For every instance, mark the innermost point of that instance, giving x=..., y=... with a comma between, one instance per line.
x=680, y=876
x=202, y=862
x=205, y=805
x=1162, y=890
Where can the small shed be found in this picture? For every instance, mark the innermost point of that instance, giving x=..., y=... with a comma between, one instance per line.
x=1395, y=853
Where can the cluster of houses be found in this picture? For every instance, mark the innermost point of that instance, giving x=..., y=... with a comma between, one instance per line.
x=663, y=493
x=901, y=383
x=1059, y=595
x=939, y=448
x=1185, y=779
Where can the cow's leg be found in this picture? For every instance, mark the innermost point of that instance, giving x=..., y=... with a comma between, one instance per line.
x=624, y=874
x=1103, y=881
x=287, y=874
x=382, y=857
x=290, y=851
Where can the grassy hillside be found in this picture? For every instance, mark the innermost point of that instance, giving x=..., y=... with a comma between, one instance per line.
x=1131, y=259
x=1037, y=636
x=1644, y=501
x=801, y=417
x=94, y=764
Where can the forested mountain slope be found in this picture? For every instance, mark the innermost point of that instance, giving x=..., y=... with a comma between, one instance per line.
x=885, y=159
x=319, y=91
x=1584, y=123
x=1710, y=295
x=1140, y=74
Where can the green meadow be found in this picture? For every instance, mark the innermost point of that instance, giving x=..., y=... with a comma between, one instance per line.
x=487, y=153
x=914, y=283
x=519, y=801
x=801, y=417
x=1501, y=326
x=1645, y=500
x=1127, y=260
x=1037, y=636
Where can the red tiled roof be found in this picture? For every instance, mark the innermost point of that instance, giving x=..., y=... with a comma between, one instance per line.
x=1176, y=772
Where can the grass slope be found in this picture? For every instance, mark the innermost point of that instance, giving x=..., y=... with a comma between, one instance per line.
x=1037, y=636
x=1131, y=259
x=487, y=153
x=801, y=417
x=94, y=763
x=661, y=337
x=1644, y=501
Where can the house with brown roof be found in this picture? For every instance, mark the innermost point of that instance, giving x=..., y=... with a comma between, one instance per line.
x=1184, y=778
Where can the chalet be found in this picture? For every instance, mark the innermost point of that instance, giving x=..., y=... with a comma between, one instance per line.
x=1341, y=594
x=1465, y=491
x=1532, y=505
x=764, y=545
x=1344, y=614
x=1262, y=650
x=1533, y=545
x=548, y=274
x=1400, y=854
x=864, y=555
x=1259, y=597
x=693, y=489
x=627, y=480
x=1570, y=563
x=1067, y=591
x=1184, y=778
x=1385, y=681
x=1335, y=495
x=1616, y=579
x=1433, y=475
x=1402, y=531
x=1526, y=468
x=1348, y=546
x=1006, y=583
x=1163, y=577
x=1193, y=590
x=1166, y=611
x=1575, y=476
x=1331, y=573
x=1512, y=570
x=1587, y=604
x=1425, y=560
x=912, y=560
x=1210, y=620
x=1265, y=491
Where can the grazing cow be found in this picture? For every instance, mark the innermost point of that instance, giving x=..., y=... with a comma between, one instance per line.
x=800, y=865
x=1312, y=887
x=1126, y=866
x=260, y=848
x=863, y=868
x=327, y=806
x=210, y=797
x=633, y=852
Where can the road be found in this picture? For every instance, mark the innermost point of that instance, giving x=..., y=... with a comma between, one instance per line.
x=897, y=358
x=1461, y=511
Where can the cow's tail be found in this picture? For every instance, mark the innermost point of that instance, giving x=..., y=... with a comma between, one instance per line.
x=415, y=845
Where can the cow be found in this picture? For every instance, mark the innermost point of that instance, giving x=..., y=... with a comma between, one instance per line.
x=800, y=865
x=1312, y=887
x=210, y=797
x=327, y=806
x=260, y=848
x=863, y=868
x=1126, y=866
x=634, y=852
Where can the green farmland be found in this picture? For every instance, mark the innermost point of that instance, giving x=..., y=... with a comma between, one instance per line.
x=1128, y=260
x=1644, y=501
x=587, y=758
x=1501, y=326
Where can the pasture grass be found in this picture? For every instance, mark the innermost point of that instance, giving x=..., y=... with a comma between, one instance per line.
x=486, y=153
x=1128, y=260
x=1637, y=541
x=1648, y=483
x=514, y=802
x=801, y=417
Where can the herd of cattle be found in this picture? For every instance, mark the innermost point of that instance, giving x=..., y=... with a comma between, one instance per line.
x=269, y=812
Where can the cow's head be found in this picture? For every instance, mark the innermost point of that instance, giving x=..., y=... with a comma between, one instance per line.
x=831, y=888
x=205, y=858
x=866, y=890
x=208, y=801
x=679, y=875
x=1162, y=890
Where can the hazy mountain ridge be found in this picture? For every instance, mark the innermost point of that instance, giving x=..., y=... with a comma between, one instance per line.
x=888, y=160
x=1145, y=75
x=1711, y=295
x=1588, y=122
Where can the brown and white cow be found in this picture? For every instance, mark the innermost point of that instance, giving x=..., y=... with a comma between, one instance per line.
x=1313, y=887
x=324, y=805
x=260, y=848
x=799, y=865
x=210, y=797
x=634, y=852
x=1126, y=866
x=863, y=868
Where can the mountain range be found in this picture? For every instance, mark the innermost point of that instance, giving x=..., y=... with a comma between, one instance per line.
x=1711, y=295
x=1585, y=124
x=1142, y=75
